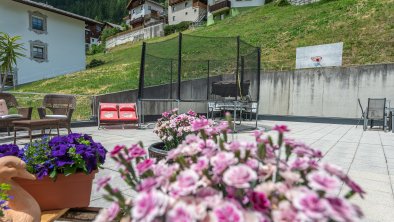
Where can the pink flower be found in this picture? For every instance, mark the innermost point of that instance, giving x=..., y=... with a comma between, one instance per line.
x=147, y=185
x=322, y=181
x=341, y=210
x=149, y=205
x=109, y=214
x=310, y=205
x=300, y=163
x=136, y=151
x=354, y=186
x=334, y=170
x=191, y=113
x=281, y=128
x=201, y=164
x=239, y=176
x=102, y=182
x=290, y=177
x=186, y=183
x=181, y=212
x=221, y=161
x=228, y=212
x=199, y=124
x=144, y=166
x=285, y=212
x=259, y=201
x=166, y=114
x=116, y=150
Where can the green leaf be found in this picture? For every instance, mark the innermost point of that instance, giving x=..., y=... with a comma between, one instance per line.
x=70, y=170
x=53, y=174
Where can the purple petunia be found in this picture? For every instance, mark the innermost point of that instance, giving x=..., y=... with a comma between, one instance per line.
x=9, y=150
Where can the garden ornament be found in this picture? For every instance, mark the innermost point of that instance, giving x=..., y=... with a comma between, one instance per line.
x=24, y=208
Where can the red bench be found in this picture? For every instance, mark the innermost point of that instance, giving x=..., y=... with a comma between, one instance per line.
x=117, y=113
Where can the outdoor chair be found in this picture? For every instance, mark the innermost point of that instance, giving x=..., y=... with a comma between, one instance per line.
x=213, y=109
x=376, y=111
x=60, y=106
x=362, y=112
x=250, y=110
x=114, y=114
x=23, y=113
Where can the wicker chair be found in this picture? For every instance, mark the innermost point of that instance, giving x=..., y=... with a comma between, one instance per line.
x=24, y=113
x=61, y=106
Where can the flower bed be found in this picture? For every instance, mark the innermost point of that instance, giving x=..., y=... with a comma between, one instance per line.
x=207, y=178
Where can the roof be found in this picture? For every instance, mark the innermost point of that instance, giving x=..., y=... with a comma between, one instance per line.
x=58, y=11
x=151, y=1
x=114, y=25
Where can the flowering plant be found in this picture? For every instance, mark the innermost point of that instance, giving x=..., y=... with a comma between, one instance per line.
x=4, y=188
x=172, y=128
x=207, y=178
x=61, y=154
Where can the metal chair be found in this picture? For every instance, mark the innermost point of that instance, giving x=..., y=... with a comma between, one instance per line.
x=24, y=113
x=376, y=111
x=362, y=112
x=61, y=106
x=250, y=110
x=213, y=109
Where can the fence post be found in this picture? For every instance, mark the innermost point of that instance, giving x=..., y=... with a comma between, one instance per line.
x=258, y=73
x=171, y=80
x=179, y=64
x=237, y=70
x=208, y=80
x=142, y=72
x=242, y=76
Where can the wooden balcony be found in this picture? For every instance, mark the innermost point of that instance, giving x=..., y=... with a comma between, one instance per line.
x=137, y=21
x=173, y=2
x=220, y=6
x=199, y=4
x=135, y=3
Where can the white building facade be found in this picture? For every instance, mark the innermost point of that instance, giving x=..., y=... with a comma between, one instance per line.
x=54, y=40
x=144, y=13
x=186, y=10
x=220, y=9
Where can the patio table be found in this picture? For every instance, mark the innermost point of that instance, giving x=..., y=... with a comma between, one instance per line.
x=40, y=124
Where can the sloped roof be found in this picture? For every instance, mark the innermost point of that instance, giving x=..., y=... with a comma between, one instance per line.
x=58, y=11
x=151, y=1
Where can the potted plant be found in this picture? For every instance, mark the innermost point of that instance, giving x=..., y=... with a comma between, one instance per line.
x=212, y=179
x=172, y=128
x=65, y=167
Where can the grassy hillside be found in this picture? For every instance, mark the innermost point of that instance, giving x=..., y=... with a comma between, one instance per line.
x=365, y=26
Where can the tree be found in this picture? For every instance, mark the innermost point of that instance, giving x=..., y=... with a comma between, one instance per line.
x=10, y=51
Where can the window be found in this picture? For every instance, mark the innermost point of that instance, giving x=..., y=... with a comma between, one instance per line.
x=149, y=7
x=38, y=22
x=195, y=10
x=173, y=8
x=142, y=7
x=173, y=18
x=38, y=51
x=133, y=11
x=186, y=4
x=185, y=13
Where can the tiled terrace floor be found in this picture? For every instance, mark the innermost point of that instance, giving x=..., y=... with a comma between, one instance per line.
x=368, y=157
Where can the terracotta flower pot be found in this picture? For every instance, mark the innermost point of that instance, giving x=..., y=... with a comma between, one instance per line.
x=156, y=150
x=66, y=192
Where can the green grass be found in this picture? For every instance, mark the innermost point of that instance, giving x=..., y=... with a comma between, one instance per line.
x=365, y=26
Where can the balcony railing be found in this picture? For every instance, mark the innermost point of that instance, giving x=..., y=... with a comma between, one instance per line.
x=199, y=4
x=173, y=2
x=220, y=6
x=137, y=21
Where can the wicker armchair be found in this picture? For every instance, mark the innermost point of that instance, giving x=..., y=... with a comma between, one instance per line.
x=61, y=107
x=24, y=113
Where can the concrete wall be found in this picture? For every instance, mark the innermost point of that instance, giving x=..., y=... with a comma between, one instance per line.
x=322, y=92
x=183, y=11
x=135, y=35
x=65, y=39
x=325, y=92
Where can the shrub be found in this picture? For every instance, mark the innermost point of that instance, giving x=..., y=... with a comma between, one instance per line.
x=182, y=26
x=208, y=178
x=94, y=63
x=94, y=49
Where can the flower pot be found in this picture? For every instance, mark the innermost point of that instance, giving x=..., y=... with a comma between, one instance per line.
x=65, y=192
x=157, y=151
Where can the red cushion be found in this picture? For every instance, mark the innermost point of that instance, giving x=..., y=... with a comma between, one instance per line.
x=108, y=107
x=109, y=115
x=128, y=115
x=127, y=107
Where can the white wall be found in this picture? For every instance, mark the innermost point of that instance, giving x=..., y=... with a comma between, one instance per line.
x=239, y=4
x=65, y=39
x=180, y=12
x=135, y=35
x=143, y=10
